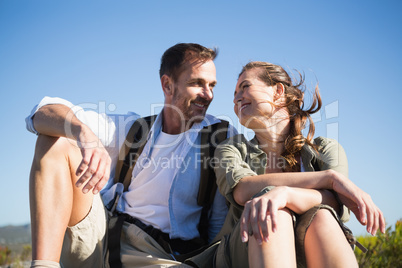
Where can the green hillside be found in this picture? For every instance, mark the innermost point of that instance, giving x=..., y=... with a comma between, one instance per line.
x=14, y=235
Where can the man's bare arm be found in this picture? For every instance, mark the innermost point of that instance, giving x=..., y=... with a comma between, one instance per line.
x=59, y=120
x=54, y=119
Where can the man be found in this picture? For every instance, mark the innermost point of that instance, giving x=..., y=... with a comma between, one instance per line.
x=77, y=151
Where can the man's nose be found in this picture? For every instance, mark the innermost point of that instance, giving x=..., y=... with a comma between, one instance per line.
x=208, y=93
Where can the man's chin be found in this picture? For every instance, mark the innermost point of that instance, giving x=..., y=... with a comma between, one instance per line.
x=196, y=118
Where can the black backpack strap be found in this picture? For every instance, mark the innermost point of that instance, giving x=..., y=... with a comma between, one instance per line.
x=132, y=148
x=211, y=136
x=129, y=152
x=114, y=234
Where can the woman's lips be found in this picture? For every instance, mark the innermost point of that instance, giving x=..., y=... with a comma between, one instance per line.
x=243, y=106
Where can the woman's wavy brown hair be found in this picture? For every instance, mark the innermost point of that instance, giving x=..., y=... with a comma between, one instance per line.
x=272, y=74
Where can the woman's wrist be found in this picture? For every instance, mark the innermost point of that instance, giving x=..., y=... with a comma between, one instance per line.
x=289, y=195
x=329, y=198
x=331, y=177
x=300, y=200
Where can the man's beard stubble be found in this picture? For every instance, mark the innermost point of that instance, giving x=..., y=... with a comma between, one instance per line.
x=183, y=106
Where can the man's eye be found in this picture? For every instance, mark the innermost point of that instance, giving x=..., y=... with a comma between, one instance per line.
x=246, y=86
x=196, y=83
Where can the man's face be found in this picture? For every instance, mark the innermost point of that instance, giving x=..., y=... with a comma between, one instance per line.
x=193, y=90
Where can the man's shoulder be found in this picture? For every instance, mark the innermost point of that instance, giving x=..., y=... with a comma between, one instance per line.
x=210, y=119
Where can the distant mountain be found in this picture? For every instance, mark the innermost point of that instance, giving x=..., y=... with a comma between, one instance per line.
x=15, y=235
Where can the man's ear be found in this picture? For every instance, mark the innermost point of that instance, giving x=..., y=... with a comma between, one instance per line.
x=279, y=91
x=167, y=85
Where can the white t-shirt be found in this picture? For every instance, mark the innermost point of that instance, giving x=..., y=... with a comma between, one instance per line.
x=143, y=200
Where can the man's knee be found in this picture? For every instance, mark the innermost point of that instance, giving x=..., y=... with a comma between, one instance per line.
x=54, y=155
x=52, y=148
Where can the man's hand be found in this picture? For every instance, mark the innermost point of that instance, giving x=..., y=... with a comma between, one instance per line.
x=94, y=169
x=360, y=203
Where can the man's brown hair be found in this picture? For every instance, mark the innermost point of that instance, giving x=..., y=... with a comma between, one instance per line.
x=174, y=58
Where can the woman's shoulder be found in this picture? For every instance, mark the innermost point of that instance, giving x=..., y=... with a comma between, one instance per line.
x=236, y=140
x=237, y=143
x=325, y=143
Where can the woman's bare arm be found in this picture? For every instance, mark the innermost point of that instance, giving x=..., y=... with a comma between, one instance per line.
x=249, y=186
x=361, y=204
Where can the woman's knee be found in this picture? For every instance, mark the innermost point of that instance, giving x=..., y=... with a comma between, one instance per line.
x=325, y=243
x=279, y=251
x=323, y=225
x=285, y=215
x=285, y=227
x=323, y=217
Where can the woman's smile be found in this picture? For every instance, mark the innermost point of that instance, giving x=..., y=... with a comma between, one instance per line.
x=243, y=106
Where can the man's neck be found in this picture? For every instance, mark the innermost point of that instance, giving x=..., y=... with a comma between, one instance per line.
x=172, y=124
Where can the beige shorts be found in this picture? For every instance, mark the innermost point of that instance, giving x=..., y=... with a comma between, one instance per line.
x=85, y=244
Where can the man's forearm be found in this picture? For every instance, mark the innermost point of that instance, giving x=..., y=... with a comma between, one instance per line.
x=58, y=120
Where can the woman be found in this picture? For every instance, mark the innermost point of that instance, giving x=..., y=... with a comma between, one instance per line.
x=288, y=209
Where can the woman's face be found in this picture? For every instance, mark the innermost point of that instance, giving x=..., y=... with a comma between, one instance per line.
x=253, y=98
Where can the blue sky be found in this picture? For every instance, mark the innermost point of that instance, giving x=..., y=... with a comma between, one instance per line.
x=108, y=52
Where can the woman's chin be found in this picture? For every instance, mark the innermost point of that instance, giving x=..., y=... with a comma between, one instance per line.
x=247, y=122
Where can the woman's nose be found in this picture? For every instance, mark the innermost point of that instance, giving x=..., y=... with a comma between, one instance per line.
x=237, y=98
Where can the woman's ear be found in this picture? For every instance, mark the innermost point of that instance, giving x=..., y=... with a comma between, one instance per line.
x=279, y=91
x=167, y=85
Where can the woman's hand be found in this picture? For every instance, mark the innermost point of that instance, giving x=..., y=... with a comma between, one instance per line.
x=360, y=203
x=261, y=210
